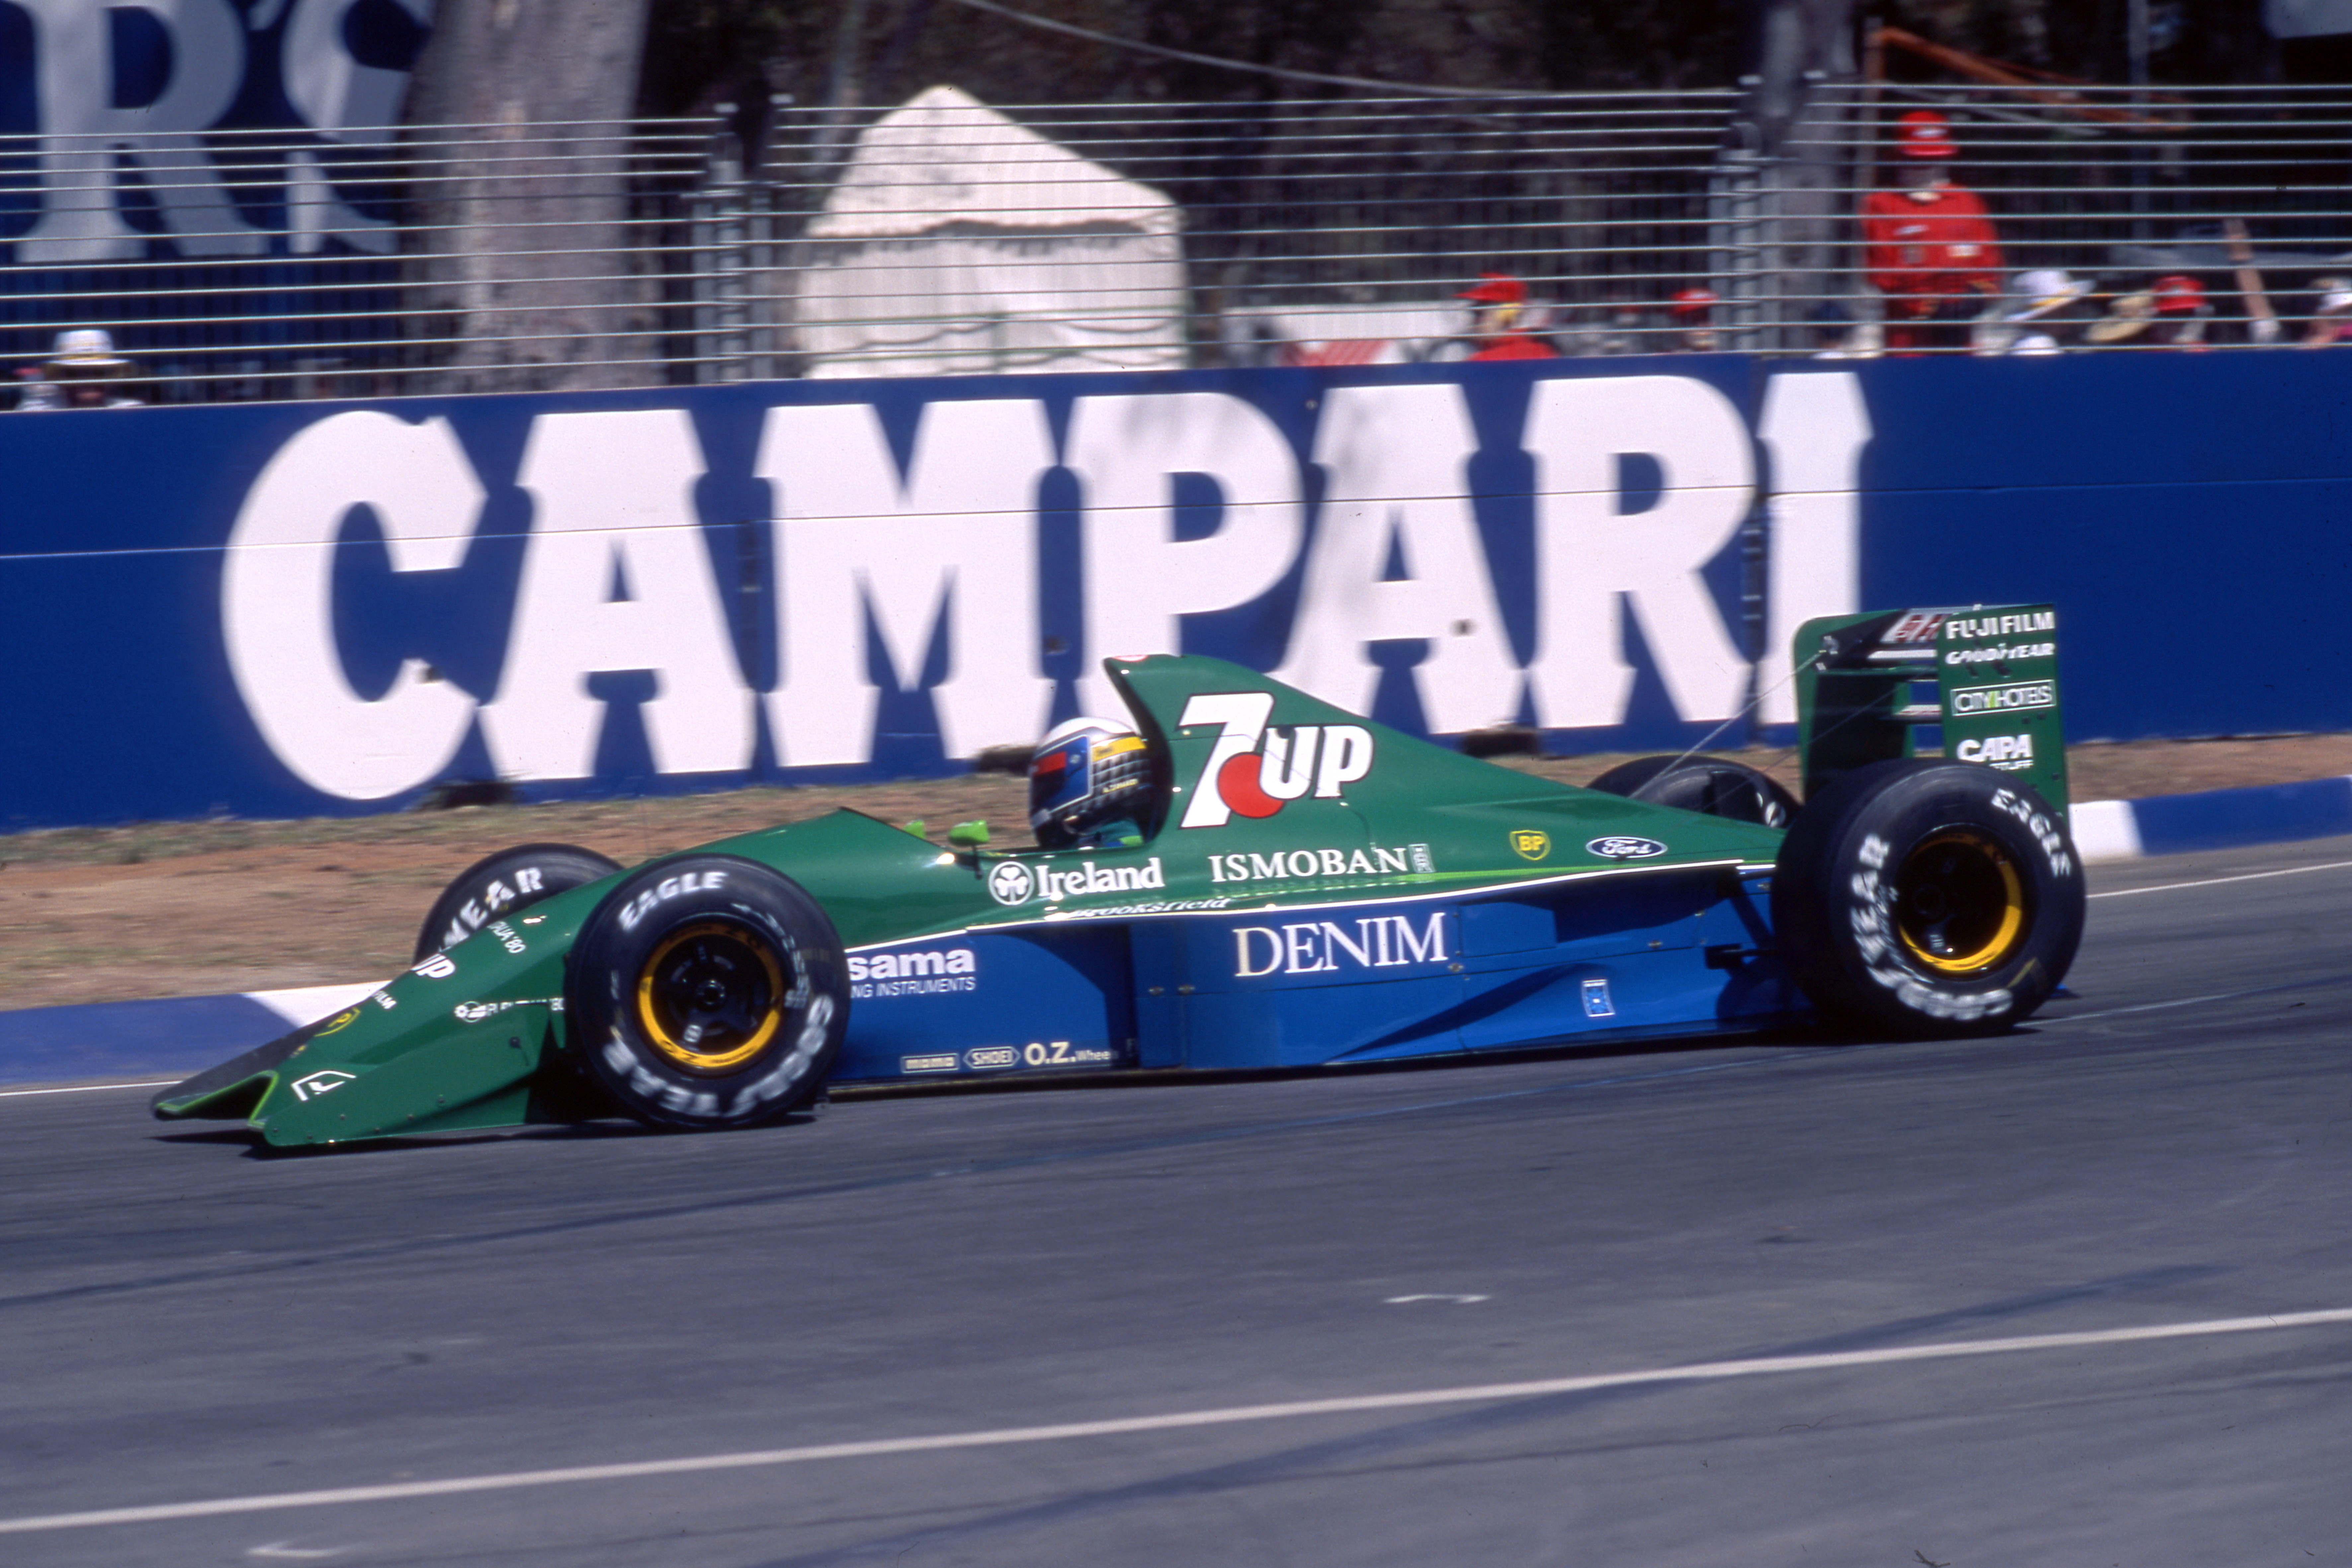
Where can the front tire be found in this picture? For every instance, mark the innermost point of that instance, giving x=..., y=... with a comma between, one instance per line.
x=707, y=991
x=1927, y=897
x=1715, y=786
x=502, y=884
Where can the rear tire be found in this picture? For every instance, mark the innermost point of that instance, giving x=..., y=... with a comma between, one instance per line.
x=500, y=885
x=1927, y=897
x=1715, y=786
x=707, y=991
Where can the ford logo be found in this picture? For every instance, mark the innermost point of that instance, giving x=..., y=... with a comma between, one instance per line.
x=1624, y=849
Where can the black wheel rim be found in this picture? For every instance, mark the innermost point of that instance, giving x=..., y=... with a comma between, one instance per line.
x=1960, y=902
x=712, y=995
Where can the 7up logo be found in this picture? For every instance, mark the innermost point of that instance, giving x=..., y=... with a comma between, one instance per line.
x=1254, y=770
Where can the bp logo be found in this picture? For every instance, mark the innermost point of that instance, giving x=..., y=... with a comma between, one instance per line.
x=1530, y=843
x=1011, y=882
x=1624, y=847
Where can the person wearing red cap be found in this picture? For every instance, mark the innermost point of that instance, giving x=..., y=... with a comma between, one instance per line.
x=2180, y=312
x=1694, y=313
x=1496, y=302
x=1930, y=245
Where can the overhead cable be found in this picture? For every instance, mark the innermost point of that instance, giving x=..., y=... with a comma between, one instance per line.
x=1140, y=46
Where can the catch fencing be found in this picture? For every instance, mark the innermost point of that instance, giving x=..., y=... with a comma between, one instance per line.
x=248, y=265
x=1092, y=237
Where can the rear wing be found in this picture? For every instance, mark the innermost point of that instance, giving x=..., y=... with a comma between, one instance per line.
x=1987, y=675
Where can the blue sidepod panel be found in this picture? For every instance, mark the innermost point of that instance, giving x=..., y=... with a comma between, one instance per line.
x=1673, y=953
x=1052, y=996
x=1676, y=952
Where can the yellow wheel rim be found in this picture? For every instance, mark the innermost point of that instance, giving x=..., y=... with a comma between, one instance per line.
x=1959, y=902
x=711, y=996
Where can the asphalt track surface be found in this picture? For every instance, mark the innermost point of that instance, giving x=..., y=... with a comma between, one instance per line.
x=2079, y=1295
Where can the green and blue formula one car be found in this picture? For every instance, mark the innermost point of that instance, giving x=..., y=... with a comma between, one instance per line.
x=1303, y=888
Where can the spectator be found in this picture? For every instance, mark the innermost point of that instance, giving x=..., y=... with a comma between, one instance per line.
x=87, y=373
x=2181, y=312
x=1693, y=310
x=2329, y=313
x=1932, y=250
x=2261, y=317
x=34, y=391
x=1496, y=304
x=2129, y=315
x=2045, y=319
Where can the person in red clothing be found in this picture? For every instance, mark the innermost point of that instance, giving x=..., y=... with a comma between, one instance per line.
x=1694, y=313
x=1496, y=302
x=1931, y=248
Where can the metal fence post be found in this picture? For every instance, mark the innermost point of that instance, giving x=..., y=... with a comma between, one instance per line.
x=1735, y=237
x=731, y=241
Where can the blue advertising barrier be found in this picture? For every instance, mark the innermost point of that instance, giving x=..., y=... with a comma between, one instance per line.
x=327, y=608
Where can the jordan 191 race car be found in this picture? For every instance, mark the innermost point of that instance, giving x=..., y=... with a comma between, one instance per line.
x=1309, y=888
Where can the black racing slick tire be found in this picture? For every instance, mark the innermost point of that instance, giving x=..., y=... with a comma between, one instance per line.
x=502, y=884
x=1715, y=786
x=707, y=991
x=1927, y=897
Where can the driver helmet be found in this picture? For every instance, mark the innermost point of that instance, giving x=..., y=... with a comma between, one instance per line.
x=1086, y=775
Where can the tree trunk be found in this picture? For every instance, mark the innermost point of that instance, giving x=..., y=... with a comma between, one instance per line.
x=518, y=117
x=1804, y=147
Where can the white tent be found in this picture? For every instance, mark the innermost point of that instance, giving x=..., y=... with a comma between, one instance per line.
x=958, y=242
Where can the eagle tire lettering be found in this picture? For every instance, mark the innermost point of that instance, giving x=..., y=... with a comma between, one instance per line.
x=668, y=888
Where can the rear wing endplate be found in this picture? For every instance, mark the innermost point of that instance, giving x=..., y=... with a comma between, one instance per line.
x=1987, y=675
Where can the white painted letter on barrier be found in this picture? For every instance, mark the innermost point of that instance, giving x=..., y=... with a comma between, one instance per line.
x=277, y=619
x=957, y=540
x=337, y=95
x=1126, y=451
x=80, y=184
x=615, y=494
x=1814, y=426
x=1590, y=560
x=345, y=101
x=1397, y=459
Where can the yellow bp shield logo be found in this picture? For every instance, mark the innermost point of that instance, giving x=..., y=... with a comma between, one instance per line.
x=1531, y=843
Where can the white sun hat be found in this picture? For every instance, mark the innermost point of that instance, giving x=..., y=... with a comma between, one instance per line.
x=2045, y=289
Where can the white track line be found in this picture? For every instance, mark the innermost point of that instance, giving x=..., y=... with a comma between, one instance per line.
x=86, y=1089
x=1173, y=1421
x=2148, y=1008
x=2217, y=881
